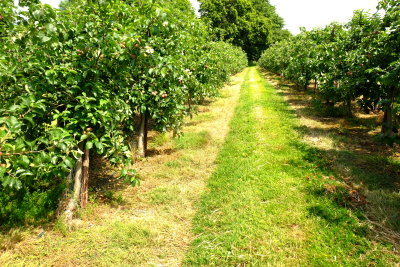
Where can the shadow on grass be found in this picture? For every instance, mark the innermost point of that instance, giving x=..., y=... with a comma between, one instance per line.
x=42, y=215
x=360, y=173
x=105, y=183
x=367, y=184
x=151, y=152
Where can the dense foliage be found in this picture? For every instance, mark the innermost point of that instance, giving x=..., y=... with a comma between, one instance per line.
x=76, y=78
x=250, y=24
x=359, y=61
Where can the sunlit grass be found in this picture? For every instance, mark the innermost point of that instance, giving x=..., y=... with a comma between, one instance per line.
x=193, y=140
x=271, y=201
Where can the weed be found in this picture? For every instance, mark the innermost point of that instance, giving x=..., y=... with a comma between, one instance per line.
x=384, y=207
x=160, y=139
x=163, y=195
x=173, y=164
x=11, y=239
x=114, y=198
x=193, y=140
x=60, y=226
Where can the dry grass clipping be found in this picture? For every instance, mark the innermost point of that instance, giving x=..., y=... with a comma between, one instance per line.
x=149, y=225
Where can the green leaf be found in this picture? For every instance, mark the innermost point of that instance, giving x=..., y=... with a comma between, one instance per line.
x=3, y=133
x=103, y=102
x=2, y=172
x=25, y=160
x=45, y=38
x=51, y=28
x=12, y=182
x=77, y=154
x=54, y=160
x=68, y=162
x=100, y=147
x=89, y=145
x=63, y=146
x=30, y=119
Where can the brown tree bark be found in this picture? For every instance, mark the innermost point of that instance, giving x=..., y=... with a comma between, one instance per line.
x=387, y=125
x=76, y=194
x=349, y=112
x=305, y=87
x=189, y=104
x=85, y=178
x=142, y=139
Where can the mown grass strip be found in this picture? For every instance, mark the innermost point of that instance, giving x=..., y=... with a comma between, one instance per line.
x=267, y=201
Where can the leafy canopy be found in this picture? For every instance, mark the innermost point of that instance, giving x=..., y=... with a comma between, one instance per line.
x=79, y=76
x=252, y=25
x=358, y=61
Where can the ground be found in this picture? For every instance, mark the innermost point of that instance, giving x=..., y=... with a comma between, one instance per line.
x=258, y=178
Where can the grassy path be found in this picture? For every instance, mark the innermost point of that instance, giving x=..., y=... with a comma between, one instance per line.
x=267, y=202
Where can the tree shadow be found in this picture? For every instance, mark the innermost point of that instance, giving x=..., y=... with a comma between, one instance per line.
x=194, y=122
x=104, y=181
x=363, y=182
x=151, y=152
x=358, y=172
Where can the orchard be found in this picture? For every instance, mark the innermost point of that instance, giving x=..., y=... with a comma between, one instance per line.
x=135, y=133
x=84, y=80
x=358, y=61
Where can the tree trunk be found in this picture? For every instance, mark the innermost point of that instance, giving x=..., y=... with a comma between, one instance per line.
x=189, y=104
x=387, y=125
x=348, y=110
x=316, y=86
x=85, y=179
x=142, y=139
x=145, y=133
x=74, y=200
x=80, y=175
x=329, y=103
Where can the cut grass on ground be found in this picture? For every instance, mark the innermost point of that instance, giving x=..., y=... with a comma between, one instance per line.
x=366, y=168
x=273, y=199
x=268, y=201
x=144, y=226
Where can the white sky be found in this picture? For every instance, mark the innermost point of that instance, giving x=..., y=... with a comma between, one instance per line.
x=305, y=13
x=318, y=13
x=53, y=3
x=196, y=5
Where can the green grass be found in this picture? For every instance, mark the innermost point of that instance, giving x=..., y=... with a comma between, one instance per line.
x=193, y=140
x=160, y=139
x=203, y=117
x=273, y=201
x=163, y=195
x=173, y=164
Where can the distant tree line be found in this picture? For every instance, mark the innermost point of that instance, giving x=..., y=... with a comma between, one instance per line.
x=252, y=25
